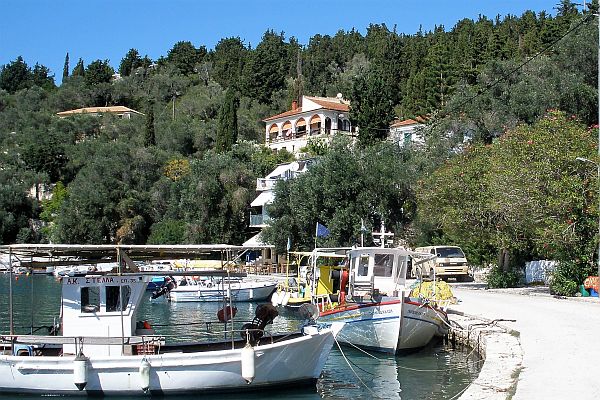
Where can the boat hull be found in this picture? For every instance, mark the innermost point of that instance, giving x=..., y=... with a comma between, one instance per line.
x=295, y=361
x=255, y=291
x=376, y=326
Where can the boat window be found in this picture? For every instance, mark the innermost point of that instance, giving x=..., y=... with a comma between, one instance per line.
x=383, y=265
x=90, y=299
x=363, y=265
x=114, y=295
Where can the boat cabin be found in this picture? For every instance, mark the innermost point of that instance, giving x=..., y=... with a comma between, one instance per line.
x=377, y=271
x=101, y=306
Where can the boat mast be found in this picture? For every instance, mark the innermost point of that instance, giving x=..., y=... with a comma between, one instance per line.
x=10, y=294
x=121, y=302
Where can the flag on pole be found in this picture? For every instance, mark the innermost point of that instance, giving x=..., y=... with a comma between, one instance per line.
x=289, y=244
x=322, y=230
x=363, y=228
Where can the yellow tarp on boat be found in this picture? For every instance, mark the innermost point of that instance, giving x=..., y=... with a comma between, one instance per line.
x=438, y=290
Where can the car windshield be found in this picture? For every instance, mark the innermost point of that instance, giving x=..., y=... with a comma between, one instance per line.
x=450, y=252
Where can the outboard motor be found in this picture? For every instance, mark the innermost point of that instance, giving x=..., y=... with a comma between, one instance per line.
x=264, y=315
x=309, y=313
x=164, y=289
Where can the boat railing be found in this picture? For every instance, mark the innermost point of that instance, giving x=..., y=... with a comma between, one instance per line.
x=87, y=340
x=323, y=301
x=144, y=344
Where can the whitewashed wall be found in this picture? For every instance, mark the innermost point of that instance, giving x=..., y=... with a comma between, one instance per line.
x=539, y=271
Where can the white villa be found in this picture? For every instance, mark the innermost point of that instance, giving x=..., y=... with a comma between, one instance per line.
x=259, y=216
x=265, y=186
x=315, y=118
x=406, y=132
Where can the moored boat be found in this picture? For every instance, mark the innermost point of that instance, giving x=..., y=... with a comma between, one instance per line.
x=376, y=309
x=103, y=352
x=188, y=289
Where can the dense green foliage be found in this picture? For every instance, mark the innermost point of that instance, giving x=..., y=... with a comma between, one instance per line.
x=371, y=108
x=525, y=195
x=496, y=173
x=347, y=184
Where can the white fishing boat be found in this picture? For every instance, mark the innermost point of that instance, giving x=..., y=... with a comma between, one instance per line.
x=189, y=289
x=104, y=350
x=101, y=353
x=374, y=303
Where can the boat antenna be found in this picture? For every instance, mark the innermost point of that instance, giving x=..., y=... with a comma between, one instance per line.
x=382, y=235
x=362, y=232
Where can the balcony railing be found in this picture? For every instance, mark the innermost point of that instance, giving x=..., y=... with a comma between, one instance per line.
x=257, y=220
x=310, y=134
x=265, y=184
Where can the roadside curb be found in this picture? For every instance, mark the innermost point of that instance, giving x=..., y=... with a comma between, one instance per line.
x=499, y=346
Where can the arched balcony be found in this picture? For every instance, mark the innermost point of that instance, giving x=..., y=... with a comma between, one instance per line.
x=273, y=132
x=300, y=127
x=315, y=124
x=286, y=130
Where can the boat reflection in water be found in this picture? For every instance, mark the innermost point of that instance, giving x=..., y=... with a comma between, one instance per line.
x=412, y=376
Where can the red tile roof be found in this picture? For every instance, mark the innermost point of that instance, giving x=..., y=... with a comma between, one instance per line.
x=417, y=120
x=96, y=110
x=329, y=105
x=284, y=114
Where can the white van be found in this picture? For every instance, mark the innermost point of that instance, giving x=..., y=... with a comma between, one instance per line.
x=450, y=262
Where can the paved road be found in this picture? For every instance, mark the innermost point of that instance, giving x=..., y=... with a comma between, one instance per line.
x=560, y=340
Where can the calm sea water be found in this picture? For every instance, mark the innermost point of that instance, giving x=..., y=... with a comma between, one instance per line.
x=436, y=372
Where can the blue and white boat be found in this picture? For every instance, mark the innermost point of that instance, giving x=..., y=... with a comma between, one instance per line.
x=374, y=303
x=189, y=289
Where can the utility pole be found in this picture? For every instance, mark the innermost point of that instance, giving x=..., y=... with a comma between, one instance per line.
x=593, y=162
x=174, y=96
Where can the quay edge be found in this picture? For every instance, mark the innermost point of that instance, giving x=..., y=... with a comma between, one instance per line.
x=501, y=350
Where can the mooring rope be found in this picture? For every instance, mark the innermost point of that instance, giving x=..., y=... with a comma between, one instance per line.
x=466, y=365
x=361, y=350
x=354, y=372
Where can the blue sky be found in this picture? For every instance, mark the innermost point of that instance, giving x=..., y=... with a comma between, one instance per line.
x=44, y=31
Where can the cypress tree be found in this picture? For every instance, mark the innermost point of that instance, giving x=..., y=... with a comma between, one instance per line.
x=371, y=108
x=66, y=67
x=79, y=69
x=227, y=127
x=150, y=137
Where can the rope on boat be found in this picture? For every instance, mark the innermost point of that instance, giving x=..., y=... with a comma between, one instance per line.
x=354, y=372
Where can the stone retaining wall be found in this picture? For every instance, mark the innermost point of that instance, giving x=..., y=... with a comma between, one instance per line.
x=501, y=349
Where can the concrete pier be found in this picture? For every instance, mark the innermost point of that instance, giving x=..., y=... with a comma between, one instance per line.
x=550, y=351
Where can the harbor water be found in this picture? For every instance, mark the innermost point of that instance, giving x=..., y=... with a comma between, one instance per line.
x=438, y=371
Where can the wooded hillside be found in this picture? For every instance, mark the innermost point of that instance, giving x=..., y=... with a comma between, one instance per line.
x=185, y=171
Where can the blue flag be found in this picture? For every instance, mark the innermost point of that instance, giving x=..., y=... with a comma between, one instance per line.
x=322, y=230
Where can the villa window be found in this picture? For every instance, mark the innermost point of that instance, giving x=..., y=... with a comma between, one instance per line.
x=90, y=299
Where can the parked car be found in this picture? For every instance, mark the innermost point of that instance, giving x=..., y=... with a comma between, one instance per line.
x=449, y=262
